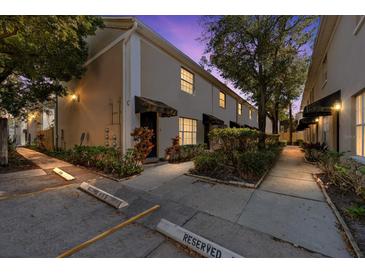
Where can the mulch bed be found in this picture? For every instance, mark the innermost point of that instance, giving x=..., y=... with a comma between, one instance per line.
x=342, y=202
x=17, y=163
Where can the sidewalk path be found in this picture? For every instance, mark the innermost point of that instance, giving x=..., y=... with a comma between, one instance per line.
x=286, y=213
x=40, y=159
x=290, y=206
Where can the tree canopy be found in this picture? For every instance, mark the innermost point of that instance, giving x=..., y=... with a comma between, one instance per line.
x=254, y=52
x=38, y=54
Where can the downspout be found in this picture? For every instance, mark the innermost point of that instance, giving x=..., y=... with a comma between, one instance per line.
x=56, y=124
x=123, y=136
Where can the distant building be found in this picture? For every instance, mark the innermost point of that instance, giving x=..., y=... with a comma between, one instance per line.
x=333, y=102
x=136, y=78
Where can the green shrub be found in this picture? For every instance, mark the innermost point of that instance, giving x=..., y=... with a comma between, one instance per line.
x=186, y=153
x=314, y=151
x=212, y=164
x=106, y=159
x=230, y=139
x=129, y=166
x=356, y=211
x=250, y=165
x=253, y=164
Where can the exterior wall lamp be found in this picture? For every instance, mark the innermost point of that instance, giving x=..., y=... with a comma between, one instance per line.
x=75, y=97
x=337, y=106
x=317, y=120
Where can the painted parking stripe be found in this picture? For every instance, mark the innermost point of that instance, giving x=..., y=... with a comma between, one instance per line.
x=103, y=195
x=107, y=232
x=194, y=241
x=63, y=174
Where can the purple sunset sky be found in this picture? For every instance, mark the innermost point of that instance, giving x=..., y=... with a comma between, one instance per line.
x=183, y=32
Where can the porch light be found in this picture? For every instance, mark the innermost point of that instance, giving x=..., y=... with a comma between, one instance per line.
x=337, y=106
x=317, y=119
x=73, y=97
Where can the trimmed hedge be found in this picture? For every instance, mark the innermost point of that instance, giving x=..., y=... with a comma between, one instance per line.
x=236, y=155
x=106, y=159
x=185, y=153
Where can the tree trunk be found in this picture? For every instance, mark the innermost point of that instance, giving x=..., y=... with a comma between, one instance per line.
x=262, y=119
x=3, y=141
x=290, y=125
x=275, y=119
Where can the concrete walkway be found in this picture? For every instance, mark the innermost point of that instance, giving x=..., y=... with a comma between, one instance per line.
x=40, y=159
x=290, y=206
x=286, y=217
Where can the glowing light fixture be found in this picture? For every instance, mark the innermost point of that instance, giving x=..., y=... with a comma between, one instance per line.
x=317, y=119
x=73, y=97
x=337, y=106
x=31, y=116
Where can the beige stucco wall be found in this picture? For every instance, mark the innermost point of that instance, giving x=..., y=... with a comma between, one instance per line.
x=100, y=93
x=160, y=80
x=345, y=70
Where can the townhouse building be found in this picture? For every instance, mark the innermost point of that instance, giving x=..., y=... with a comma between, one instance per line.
x=333, y=102
x=136, y=78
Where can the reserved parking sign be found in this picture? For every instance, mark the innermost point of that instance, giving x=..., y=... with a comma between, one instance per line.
x=194, y=241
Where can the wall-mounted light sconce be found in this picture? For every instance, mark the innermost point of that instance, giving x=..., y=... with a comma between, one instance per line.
x=75, y=97
x=317, y=120
x=337, y=106
x=31, y=117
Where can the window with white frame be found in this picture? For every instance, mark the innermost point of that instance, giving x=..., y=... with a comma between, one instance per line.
x=239, y=108
x=187, y=131
x=360, y=124
x=222, y=99
x=187, y=81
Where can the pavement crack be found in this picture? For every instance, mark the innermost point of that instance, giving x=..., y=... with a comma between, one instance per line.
x=293, y=196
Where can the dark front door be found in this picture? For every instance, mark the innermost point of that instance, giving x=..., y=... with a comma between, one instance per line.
x=149, y=120
x=206, y=132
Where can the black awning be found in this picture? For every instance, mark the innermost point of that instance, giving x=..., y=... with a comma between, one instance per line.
x=322, y=107
x=143, y=104
x=234, y=124
x=305, y=122
x=250, y=127
x=212, y=120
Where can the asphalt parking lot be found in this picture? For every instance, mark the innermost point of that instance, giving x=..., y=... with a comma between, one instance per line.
x=45, y=222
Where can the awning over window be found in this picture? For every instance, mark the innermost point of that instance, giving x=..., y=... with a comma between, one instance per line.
x=143, y=104
x=212, y=120
x=305, y=122
x=322, y=107
x=250, y=127
x=234, y=124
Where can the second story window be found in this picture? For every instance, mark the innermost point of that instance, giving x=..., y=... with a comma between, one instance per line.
x=239, y=109
x=187, y=81
x=222, y=99
x=250, y=113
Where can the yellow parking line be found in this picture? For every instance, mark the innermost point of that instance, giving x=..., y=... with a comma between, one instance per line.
x=107, y=233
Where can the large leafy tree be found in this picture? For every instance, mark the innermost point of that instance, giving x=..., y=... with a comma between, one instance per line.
x=254, y=51
x=37, y=55
x=287, y=88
